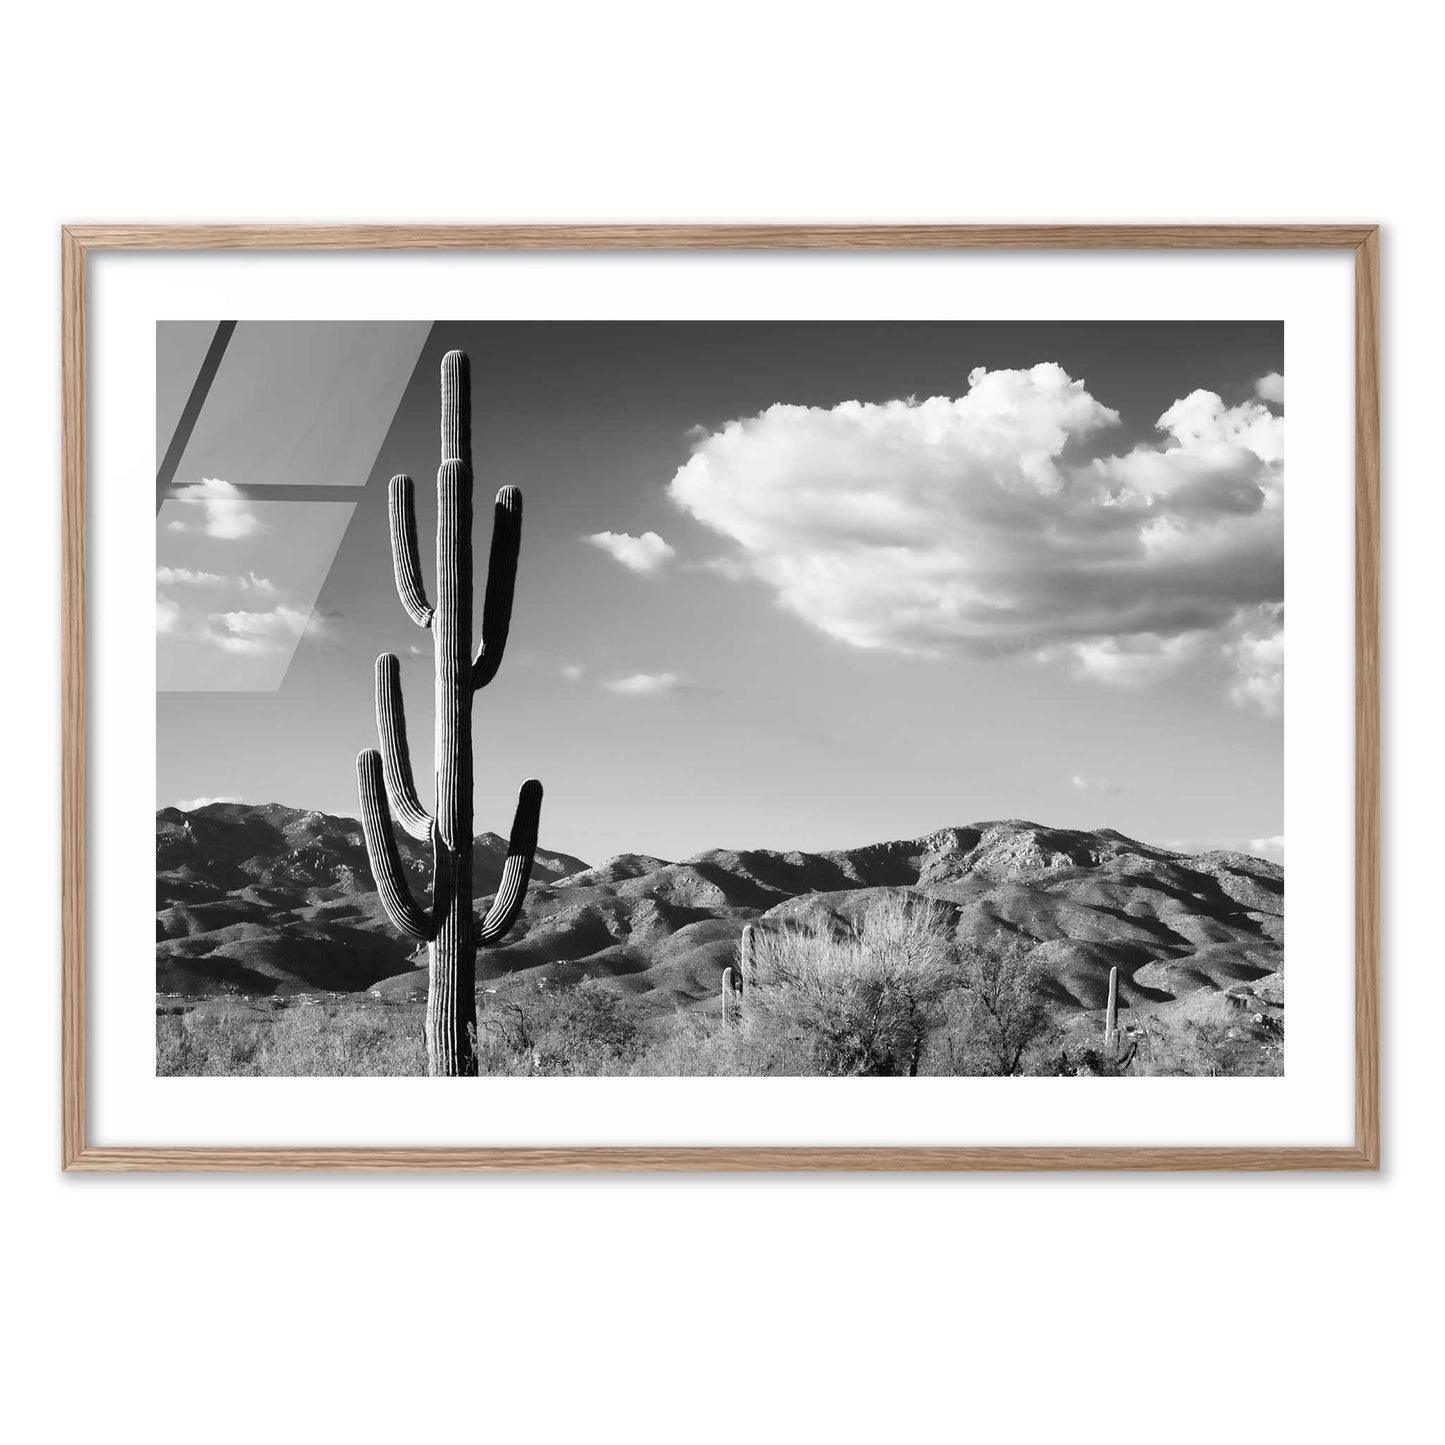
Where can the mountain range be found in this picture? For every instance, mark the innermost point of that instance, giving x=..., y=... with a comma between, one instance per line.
x=264, y=899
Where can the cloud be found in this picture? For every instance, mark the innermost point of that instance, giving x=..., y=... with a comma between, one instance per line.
x=1270, y=388
x=1272, y=848
x=189, y=805
x=648, y=684
x=254, y=632
x=223, y=512
x=728, y=567
x=271, y=627
x=571, y=672
x=979, y=525
x=1256, y=656
x=249, y=584
x=1131, y=661
x=647, y=554
x=1094, y=785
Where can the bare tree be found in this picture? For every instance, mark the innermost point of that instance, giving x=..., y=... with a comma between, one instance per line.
x=1003, y=1012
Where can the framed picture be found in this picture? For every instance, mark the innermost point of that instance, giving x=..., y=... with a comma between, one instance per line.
x=897, y=627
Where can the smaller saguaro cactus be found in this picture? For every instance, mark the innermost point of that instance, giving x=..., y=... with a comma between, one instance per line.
x=747, y=959
x=732, y=992
x=1111, y=1014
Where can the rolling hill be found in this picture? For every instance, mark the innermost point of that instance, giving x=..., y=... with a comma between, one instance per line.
x=269, y=899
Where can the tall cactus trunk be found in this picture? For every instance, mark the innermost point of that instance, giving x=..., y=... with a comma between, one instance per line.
x=449, y=929
x=451, y=1011
x=451, y=1016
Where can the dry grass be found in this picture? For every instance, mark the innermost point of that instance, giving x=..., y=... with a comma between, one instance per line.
x=309, y=1040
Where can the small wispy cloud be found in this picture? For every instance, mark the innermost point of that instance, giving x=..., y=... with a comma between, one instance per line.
x=1270, y=388
x=253, y=632
x=243, y=614
x=1271, y=848
x=189, y=805
x=647, y=554
x=571, y=672
x=249, y=583
x=648, y=684
x=1084, y=784
x=224, y=513
x=729, y=567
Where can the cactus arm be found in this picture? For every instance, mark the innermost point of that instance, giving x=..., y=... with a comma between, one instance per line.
x=501, y=582
x=405, y=558
x=395, y=755
x=382, y=852
x=506, y=520
x=512, y=890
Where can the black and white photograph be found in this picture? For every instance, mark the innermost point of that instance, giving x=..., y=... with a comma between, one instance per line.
x=674, y=830
x=720, y=698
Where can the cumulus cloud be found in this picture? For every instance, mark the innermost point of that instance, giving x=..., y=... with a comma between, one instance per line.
x=1256, y=656
x=222, y=511
x=168, y=614
x=1270, y=388
x=1271, y=848
x=648, y=684
x=647, y=554
x=979, y=524
x=1083, y=784
x=189, y=805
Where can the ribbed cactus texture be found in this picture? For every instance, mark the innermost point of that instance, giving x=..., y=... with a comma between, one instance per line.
x=1111, y=1014
x=732, y=988
x=736, y=980
x=449, y=929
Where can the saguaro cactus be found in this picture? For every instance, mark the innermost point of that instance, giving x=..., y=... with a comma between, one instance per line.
x=1111, y=1013
x=735, y=980
x=449, y=929
x=732, y=992
x=747, y=959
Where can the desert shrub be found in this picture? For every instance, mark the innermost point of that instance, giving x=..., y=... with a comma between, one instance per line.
x=1209, y=1037
x=591, y=1024
x=861, y=1002
x=762, y=1044
x=538, y=1028
x=998, y=1021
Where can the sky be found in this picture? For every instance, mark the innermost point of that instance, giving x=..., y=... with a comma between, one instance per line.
x=783, y=584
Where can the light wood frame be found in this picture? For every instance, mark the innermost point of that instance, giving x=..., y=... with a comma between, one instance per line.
x=1364, y=240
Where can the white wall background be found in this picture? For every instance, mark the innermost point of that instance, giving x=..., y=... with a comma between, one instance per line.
x=700, y=1309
